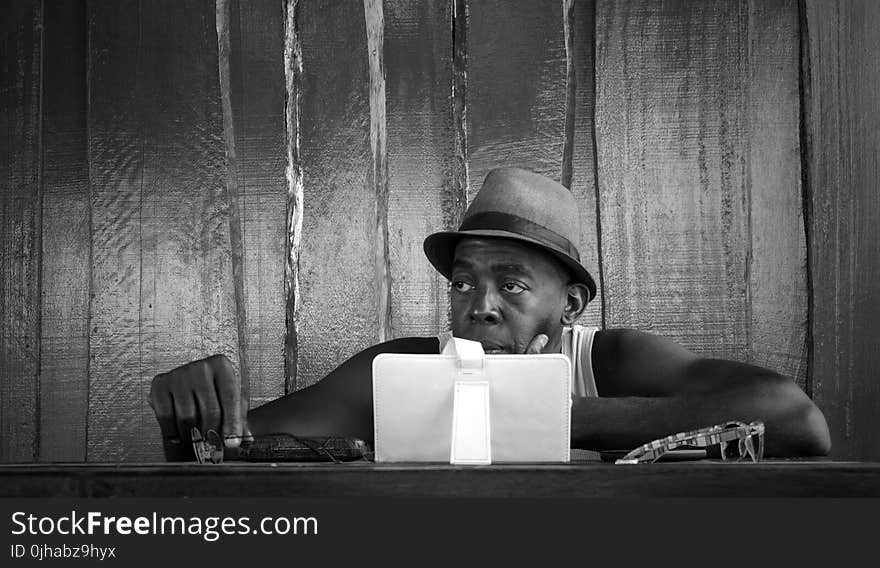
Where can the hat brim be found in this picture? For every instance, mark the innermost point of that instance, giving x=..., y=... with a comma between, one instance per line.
x=440, y=248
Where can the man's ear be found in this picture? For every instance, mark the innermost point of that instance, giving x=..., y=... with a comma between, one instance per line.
x=575, y=302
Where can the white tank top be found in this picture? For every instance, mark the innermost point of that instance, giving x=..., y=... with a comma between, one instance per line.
x=577, y=345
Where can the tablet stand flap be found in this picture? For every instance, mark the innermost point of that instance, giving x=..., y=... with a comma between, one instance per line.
x=471, y=439
x=471, y=432
x=469, y=354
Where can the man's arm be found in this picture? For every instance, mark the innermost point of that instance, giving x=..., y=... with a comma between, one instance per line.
x=650, y=387
x=341, y=403
x=206, y=394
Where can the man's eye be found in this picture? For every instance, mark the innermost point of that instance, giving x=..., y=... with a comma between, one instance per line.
x=513, y=288
x=462, y=286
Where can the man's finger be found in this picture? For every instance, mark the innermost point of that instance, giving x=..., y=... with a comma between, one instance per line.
x=537, y=344
x=246, y=434
x=163, y=407
x=185, y=414
x=229, y=395
x=210, y=412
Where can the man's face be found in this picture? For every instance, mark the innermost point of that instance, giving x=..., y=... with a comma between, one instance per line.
x=505, y=293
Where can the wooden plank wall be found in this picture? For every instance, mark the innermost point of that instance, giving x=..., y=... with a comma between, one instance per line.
x=20, y=203
x=777, y=275
x=421, y=137
x=842, y=121
x=66, y=277
x=116, y=162
x=580, y=173
x=238, y=179
x=258, y=95
x=692, y=147
x=338, y=299
x=162, y=261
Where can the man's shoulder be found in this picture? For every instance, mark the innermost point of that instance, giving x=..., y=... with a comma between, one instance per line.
x=363, y=359
x=416, y=345
x=614, y=343
x=609, y=340
x=422, y=345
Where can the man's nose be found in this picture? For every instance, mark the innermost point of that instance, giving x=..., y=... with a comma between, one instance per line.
x=485, y=307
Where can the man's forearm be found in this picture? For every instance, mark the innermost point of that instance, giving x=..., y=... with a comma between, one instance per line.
x=793, y=424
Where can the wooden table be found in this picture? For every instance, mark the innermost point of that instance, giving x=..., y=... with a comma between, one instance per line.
x=582, y=478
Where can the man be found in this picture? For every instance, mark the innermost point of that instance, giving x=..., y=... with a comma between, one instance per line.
x=518, y=286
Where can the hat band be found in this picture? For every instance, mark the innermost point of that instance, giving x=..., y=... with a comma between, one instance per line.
x=497, y=221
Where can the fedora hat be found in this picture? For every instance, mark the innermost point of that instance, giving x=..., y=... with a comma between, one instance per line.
x=520, y=205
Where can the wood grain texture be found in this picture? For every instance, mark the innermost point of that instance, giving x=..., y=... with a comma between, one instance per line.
x=699, y=161
x=66, y=267
x=116, y=163
x=777, y=271
x=20, y=232
x=231, y=197
x=842, y=121
x=367, y=479
x=293, y=81
x=455, y=210
x=338, y=312
x=374, y=18
x=162, y=277
x=516, y=87
x=455, y=205
x=580, y=24
x=258, y=99
x=671, y=128
x=421, y=158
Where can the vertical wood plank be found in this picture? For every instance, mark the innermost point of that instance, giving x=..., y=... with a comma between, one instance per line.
x=64, y=361
x=671, y=157
x=421, y=157
x=232, y=199
x=116, y=156
x=337, y=316
x=163, y=291
x=700, y=177
x=258, y=98
x=20, y=196
x=293, y=81
x=581, y=25
x=777, y=271
x=374, y=17
x=842, y=121
x=116, y=162
x=459, y=197
x=516, y=87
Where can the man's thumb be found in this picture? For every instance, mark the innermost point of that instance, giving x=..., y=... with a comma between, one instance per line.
x=538, y=344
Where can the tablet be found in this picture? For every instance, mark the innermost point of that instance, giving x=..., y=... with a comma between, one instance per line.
x=519, y=409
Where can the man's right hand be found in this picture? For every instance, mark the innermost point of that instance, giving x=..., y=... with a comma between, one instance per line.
x=205, y=394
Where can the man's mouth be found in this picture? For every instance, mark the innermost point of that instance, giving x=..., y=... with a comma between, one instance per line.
x=492, y=348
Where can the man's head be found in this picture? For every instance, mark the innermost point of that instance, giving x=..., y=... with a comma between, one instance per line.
x=505, y=292
x=513, y=264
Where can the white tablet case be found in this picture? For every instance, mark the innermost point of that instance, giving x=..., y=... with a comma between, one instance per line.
x=463, y=406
